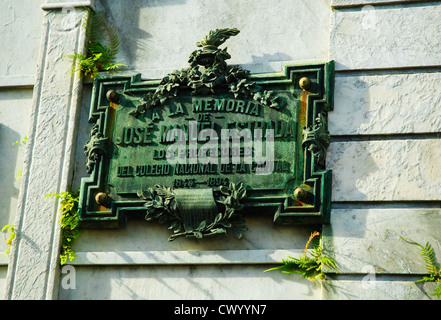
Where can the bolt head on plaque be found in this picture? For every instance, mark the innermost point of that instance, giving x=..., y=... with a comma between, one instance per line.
x=101, y=197
x=305, y=83
x=300, y=194
x=112, y=96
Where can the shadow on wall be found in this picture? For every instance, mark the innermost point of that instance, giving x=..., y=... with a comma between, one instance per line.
x=349, y=155
x=131, y=36
x=245, y=282
x=141, y=48
x=8, y=160
x=352, y=164
x=262, y=64
x=82, y=137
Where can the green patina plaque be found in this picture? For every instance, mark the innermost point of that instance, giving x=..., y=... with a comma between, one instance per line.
x=208, y=145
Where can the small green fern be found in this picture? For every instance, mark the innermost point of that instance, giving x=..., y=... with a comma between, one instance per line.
x=431, y=264
x=309, y=267
x=69, y=222
x=102, y=45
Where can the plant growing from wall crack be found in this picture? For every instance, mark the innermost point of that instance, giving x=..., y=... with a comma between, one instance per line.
x=208, y=71
x=432, y=266
x=69, y=223
x=308, y=266
x=21, y=142
x=102, y=45
x=11, y=228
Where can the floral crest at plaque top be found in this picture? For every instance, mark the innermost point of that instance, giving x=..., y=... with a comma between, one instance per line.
x=132, y=124
x=208, y=70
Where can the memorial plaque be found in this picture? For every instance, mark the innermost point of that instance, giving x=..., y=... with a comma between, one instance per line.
x=208, y=145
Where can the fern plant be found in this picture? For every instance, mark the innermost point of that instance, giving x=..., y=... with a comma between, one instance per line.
x=102, y=45
x=308, y=266
x=432, y=266
x=69, y=223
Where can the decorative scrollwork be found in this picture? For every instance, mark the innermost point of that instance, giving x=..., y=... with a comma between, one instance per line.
x=208, y=70
x=161, y=204
x=317, y=138
x=94, y=148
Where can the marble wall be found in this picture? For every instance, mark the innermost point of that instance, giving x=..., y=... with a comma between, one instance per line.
x=384, y=151
x=156, y=38
x=18, y=65
x=385, y=147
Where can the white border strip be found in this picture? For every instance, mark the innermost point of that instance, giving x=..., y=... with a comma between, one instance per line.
x=223, y=257
x=61, y=5
x=26, y=80
x=337, y=4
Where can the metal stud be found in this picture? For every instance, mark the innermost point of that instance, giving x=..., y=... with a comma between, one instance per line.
x=112, y=96
x=305, y=83
x=300, y=194
x=101, y=197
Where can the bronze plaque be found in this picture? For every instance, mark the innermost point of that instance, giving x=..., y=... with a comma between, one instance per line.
x=207, y=145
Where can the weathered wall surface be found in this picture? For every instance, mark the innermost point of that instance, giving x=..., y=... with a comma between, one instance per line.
x=19, y=61
x=384, y=153
x=156, y=38
x=15, y=107
x=18, y=64
x=385, y=147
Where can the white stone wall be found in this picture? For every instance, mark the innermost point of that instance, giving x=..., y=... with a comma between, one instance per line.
x=33, y=266
x=156, y=38
x=384, y=153
x=18, y=64
x=15, y=105
x=385, y=149
x=21, y=49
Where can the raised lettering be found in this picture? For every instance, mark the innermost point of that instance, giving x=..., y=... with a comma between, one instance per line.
x=207, y=105
x=255, y=110
x=230, y=105
x=138, y=135
x=148, y=134
x=155, y=115
x=239, y=106
x=197, y=105
x=219, y=104
x=128, y=135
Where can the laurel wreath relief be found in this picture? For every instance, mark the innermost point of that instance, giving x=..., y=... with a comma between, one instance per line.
x=161, y=204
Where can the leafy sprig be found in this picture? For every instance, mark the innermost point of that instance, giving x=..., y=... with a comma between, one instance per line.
x=309, y=267
x=432, y=266
x=12, y=236
x=102, y=46
x=161, y=204
x=69, y=222
x=217, y=37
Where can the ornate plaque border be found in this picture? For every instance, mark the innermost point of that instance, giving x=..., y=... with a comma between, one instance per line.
x=308, y=203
